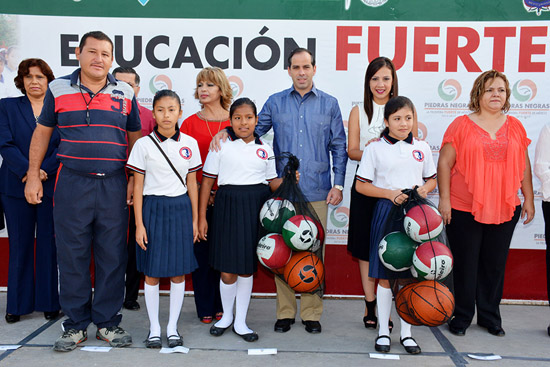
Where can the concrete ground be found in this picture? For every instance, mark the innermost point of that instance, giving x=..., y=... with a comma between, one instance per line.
x=344, y=341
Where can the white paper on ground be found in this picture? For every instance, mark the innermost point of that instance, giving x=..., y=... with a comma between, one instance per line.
x=262, y=351
x=9, y=347
x=383, y=356
x=485, y=357
x=180, y=349
x=96, y=349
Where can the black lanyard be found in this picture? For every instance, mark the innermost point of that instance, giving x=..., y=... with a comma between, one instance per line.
x=88, y=103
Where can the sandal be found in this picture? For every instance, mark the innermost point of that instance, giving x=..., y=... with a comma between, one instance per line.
x=206, y=319
x=390, y=325
x=219, y=315
x=370, y=320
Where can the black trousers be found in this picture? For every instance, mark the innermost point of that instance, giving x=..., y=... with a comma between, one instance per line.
x=480, y=252
x=133, y=276
x=546, y=214
x=206, y=280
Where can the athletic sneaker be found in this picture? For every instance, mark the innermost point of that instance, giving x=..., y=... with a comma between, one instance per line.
x=115, y=336
x=69, y=340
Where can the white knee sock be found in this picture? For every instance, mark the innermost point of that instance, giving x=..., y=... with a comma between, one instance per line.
x=244, y=290
x=227, y=293
x=177, y=292
x=406, y=332
x=152, y=304
x=383, y=303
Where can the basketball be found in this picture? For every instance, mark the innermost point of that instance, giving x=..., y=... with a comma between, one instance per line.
x=432, y=260
x=423, y=222
x=272, y=251
x=300, y=232
x=431, y=303
x=402, y=305
x=304, y=272
x=274, y=213
x=396, y=251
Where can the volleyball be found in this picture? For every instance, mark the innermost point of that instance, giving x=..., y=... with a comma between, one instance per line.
x=300, y=232
x=304, y=272
x=274, y=213
x=396, y=251
x=272, y=251
x=432, y=261
x=423, y=222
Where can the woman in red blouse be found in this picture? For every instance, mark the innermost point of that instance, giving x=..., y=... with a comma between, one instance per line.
x=214, y=94
x=483, y=163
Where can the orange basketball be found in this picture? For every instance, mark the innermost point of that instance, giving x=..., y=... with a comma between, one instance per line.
x=402, y=306
x=304, y=272
x=431, y=303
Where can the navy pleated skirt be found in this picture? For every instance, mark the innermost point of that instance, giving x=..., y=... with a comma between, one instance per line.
x=361, y=208
x=169, y=225
x=379, y=228
x=233, y=234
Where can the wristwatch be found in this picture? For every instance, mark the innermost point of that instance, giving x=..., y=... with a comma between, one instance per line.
x=339, y=187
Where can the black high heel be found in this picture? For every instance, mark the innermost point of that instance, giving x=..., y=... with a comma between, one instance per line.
x=370, y=321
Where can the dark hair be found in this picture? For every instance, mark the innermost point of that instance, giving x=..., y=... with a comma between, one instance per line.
x=394, y=105
x=240, y=102
x=127, y=70
x=166, y=93
x=372, y=69
x=98, y=35
x=298, y=51
x=479, y=88
x=23, y=71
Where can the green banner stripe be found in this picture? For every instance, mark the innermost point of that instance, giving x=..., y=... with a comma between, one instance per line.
x=404, y=10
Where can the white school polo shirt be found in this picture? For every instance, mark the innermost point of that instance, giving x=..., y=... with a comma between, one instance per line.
x=160, y=179
x=394, y=164
x=240, y=163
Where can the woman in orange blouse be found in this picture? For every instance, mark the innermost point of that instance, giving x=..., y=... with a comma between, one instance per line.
x=482, y=164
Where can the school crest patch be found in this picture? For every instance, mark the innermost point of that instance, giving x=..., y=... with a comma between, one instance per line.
x=418, y=155
x=186, y=153
x=261, y=153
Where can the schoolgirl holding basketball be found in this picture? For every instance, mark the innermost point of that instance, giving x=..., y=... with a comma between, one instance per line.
x=166, y=210
x=390, y=164
x=243, y=167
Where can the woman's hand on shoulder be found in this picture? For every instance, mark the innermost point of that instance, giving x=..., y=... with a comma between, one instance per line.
x=444, y=208
x=215, y=145
x=141, y=237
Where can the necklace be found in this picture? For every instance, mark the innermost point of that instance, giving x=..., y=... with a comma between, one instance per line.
x=201, y=116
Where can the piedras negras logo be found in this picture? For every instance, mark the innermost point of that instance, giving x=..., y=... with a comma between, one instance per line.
x=524, y=90
x=159, y=82
x=536, y=6
x=371, y=3
x=449, y=90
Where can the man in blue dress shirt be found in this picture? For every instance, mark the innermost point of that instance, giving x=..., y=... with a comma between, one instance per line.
x=306, y=122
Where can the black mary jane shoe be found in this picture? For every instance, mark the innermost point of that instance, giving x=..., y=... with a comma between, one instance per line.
x=380, y=347
x=370, y=320
x=153, y=342
x=12, y=319
x=250, y=337
x=414, y=349
x=175, y=340
x=52, y=315
x=218, y=331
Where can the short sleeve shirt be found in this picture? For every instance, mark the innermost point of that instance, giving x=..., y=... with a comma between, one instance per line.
x=160, y=179
x=394, y=164
x=240, y=163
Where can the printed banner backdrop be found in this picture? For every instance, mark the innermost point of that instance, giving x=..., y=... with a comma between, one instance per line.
x=437, y=66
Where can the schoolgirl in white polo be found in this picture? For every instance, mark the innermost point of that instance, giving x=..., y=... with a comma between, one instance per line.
x=243, y=166
x=394, y=162
x=166, y=210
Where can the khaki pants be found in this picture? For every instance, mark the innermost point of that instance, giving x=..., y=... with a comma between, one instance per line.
x=311, y=305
